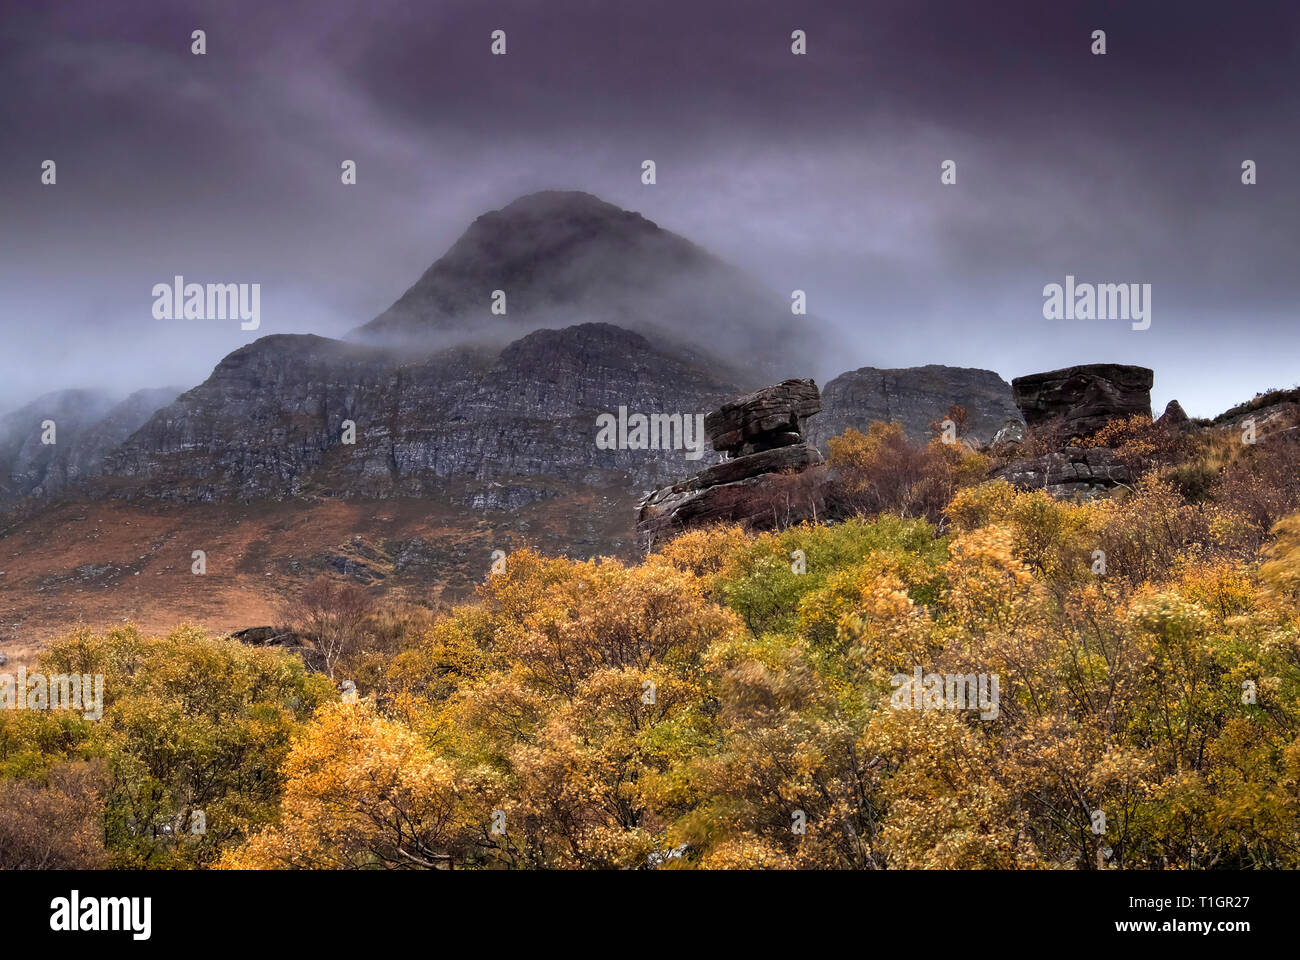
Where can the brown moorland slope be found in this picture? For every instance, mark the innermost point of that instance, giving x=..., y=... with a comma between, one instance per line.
x=102, y=563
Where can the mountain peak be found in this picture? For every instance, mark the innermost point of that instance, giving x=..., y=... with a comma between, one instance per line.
x=561, y=203
x=565, y=257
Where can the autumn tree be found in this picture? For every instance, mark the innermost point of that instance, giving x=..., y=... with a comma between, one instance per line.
x=361, y=792
x=332, y=615
x=191, y=724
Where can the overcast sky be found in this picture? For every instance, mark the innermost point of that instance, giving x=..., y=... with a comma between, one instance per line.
x=819, y=172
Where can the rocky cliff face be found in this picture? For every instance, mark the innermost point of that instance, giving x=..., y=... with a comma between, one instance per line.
x=491, y=429
x=521, y=423
x=914, y=397
x=91, y=457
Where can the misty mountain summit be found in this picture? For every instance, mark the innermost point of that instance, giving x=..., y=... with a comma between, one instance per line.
x=605, y=313
x=561, y=258
x=602, y=311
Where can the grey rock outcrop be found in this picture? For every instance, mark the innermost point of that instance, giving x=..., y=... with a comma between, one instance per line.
x=1081, y=400
x=914, y=397
x=1013, y=431
x=1074, y=471
x=1085, y=398
x=1174, y=415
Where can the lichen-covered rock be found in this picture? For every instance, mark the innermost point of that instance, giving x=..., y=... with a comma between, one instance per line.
x=758, y=503
x=1013, y=431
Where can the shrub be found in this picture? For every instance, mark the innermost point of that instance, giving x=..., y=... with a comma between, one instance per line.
x=54, y=824
x=882, y=472
x=1141, y=444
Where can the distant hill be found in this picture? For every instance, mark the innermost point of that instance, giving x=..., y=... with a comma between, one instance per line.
x=88, y=425
x=472, y=431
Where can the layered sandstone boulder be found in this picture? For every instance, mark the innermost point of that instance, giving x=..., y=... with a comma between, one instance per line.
x=767, y=479
x=775, y=416
x=1079, y=401
x=1085, y=397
